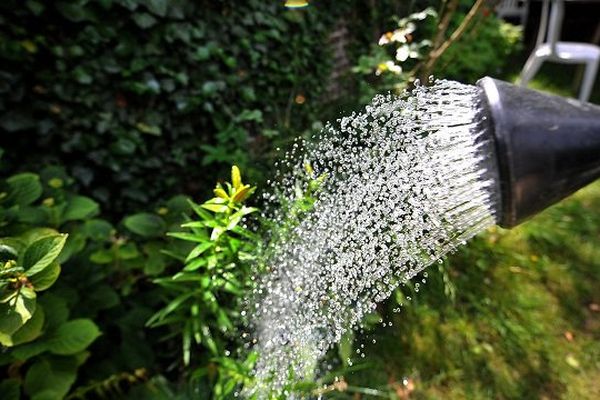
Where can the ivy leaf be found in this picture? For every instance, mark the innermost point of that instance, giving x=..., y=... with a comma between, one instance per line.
x=149, y=129
x=73, y=10
x=144, y=20
x=73, y=337
x=158, y=7
x=80, y=208
x=42, y=253
x=145, y=224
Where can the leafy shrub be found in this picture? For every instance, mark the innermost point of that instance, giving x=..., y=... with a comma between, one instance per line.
x=51, y=326
x=46, y=346
x=204, y=297
x=484, y=50
x=166, y=87
x=390, y=63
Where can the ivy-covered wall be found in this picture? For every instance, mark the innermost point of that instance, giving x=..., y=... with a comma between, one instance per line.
x=142, y=98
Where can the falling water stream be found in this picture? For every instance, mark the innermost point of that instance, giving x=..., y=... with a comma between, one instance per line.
x=402, y=183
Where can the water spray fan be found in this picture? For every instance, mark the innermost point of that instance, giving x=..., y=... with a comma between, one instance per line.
x=547, y=147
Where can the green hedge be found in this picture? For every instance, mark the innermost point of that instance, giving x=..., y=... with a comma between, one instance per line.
x=143, y=98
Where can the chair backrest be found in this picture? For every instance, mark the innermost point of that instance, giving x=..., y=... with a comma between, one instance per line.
x=553, y=12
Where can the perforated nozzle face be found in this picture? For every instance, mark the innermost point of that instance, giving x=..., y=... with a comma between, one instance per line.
x=547, y=147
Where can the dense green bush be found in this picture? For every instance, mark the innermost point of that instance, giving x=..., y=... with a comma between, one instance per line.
x=484, y=50
x=46, y=344
x=145, y=105
x=79, y=297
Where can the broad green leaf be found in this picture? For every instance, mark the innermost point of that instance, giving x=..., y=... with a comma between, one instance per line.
x=155, y=265
x=42, y=253
x=29, y=350
x=32, y=215
x=32, y=328
x=45, y=278
x=178, y=205
x=98, y=229
x=35, y=234
x=17, y=311
x=80, y=208
x=128, y=251
x=56, y=309
x=73, y=337
x=101, y=257
x=10, y=322
x=24, y=189
x=25, y=304
x=50, y=377
x=145, y=224
x=75, y=244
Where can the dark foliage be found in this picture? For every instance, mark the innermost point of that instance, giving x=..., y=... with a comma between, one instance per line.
x=140, y=98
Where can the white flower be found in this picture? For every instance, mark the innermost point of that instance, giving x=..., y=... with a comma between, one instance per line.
x=388, y=66
x=402, y=53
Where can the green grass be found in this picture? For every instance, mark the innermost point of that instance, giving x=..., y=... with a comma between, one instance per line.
x=509, y=316
x=512, y=315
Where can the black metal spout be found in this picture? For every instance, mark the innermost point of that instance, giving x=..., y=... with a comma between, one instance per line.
x=547, y=147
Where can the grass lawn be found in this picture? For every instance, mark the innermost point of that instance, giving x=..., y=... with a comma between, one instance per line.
x=512, y=315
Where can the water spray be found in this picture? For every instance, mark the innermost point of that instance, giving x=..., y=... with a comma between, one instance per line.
x=402, y=183
x=547, y=147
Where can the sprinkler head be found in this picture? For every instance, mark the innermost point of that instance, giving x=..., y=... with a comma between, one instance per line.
x=547, y=147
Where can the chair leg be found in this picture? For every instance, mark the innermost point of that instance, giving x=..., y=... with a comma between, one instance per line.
x=589, y=76
x=531, y=67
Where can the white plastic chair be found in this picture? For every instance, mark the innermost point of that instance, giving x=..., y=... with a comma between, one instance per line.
x=549, y=48
x=513, y=9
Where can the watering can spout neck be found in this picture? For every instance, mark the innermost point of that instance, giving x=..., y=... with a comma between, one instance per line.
x=547, y=147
